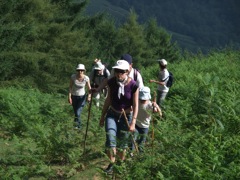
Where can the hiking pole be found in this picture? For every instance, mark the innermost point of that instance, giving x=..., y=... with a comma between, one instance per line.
x=133, y=140
x=152, y=136
x=89, y=113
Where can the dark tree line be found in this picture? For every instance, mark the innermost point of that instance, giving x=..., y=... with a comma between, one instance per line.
x=42, y=41
x=202, y=24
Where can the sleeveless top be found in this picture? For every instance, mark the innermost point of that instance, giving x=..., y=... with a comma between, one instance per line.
x=126, y=101
x=78, y=88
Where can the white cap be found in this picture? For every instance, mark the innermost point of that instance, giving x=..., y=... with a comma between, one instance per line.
x=121, y=64
x=144, y=93
x=98, y=66
x=162, y=62
x=80, y=67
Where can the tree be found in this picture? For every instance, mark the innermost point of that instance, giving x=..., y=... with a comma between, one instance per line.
x=131, y=38
x=159, y=43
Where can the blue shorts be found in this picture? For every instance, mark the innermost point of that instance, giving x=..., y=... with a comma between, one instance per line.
x=117, y=132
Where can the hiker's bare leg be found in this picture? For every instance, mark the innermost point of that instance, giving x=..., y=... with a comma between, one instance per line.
x=122, y=154
x=112, y=154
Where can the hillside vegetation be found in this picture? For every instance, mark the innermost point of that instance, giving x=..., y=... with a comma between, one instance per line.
x=210, y=24
x=42, y=41
x=198, y=138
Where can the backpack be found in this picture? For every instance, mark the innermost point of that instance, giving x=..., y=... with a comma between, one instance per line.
x=170, y=79
x=105, y=75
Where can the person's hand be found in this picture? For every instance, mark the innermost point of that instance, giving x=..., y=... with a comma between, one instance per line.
x=155, y=107
x=132, y=127
x=88, y=99
x=151, y=81
x=70, y=100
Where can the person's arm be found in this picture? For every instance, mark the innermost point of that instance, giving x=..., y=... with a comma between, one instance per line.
x=69, y=92
x=135, y=110
x=89, y=90
x=164, y=76
x=106, y=105
x=156, y=108
x=157, y=82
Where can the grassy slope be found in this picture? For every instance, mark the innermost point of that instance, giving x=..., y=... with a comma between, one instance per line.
x=183, y=121
x=188, y=75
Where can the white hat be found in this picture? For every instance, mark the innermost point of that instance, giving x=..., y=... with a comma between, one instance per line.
x=162, y=62
x=80, y=67
x=121, y=64
x=98, y=66
x=144, y=93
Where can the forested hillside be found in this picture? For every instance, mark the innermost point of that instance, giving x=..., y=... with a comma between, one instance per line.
x=42, y=41
x=194, y=24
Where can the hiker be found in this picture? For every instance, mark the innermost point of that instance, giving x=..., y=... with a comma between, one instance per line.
x=122, y=97
x=163, y=77
x=132, y=73
x=145, y=109
x=98, y=74
x=77, y=94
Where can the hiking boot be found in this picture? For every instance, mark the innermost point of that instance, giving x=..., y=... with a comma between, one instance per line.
x=109, y=169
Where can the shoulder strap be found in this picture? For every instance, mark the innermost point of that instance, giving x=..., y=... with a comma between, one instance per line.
x=94, y=74
x=105, y=72
x=135, y=75
x=167, y=77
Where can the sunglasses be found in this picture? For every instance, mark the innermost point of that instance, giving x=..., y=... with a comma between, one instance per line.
x=120, y=71
x=80, y=70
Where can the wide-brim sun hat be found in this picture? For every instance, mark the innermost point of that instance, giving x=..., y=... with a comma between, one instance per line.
x=121, y=64
x=80, y=67
x=98, y=66
x=162, y=62
x=145, y=93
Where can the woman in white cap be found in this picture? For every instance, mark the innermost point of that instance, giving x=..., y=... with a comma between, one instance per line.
x=145, y=109
x=77, y=94
x=163, y=77
x=122, y=98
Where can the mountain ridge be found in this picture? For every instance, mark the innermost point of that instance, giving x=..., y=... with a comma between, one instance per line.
x=204, y=25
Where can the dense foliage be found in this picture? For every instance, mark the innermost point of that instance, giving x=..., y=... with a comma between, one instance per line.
x=198, y=138
x=43, y=41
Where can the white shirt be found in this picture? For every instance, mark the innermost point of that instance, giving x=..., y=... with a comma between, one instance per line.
x=78, y=87
x=139, y=79
x=144, y=114
x=163, y=76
